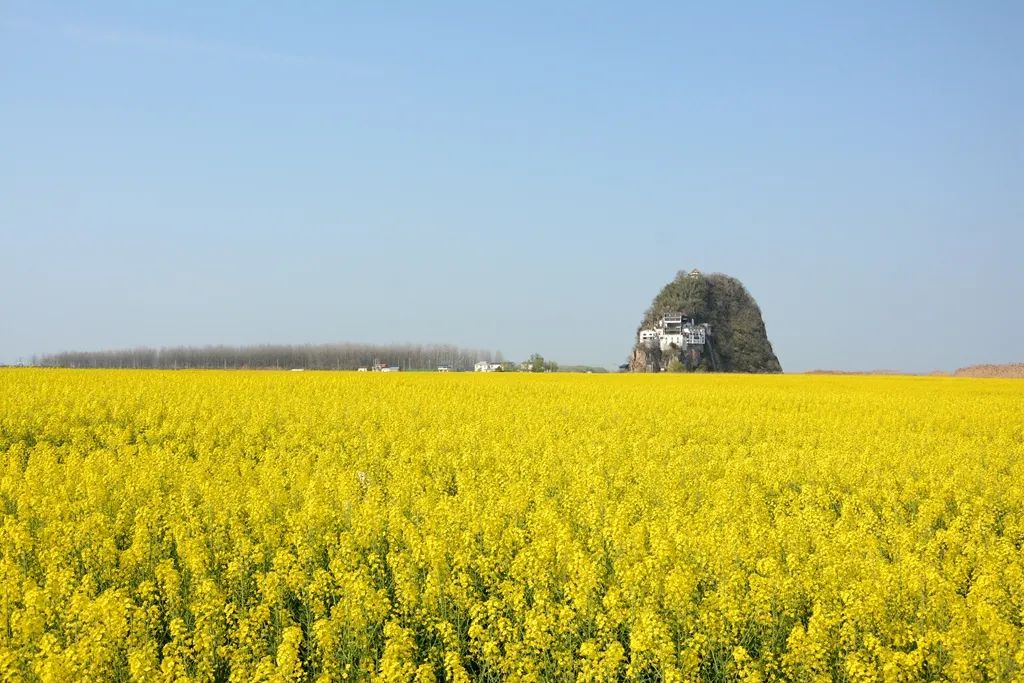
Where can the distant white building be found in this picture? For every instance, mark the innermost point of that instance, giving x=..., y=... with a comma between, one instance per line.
x=672, y=331
x=648, y=335
x=487, y=366
x=696, y=334
x=670, y=340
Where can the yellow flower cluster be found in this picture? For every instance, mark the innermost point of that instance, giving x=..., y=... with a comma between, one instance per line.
x=258, y=526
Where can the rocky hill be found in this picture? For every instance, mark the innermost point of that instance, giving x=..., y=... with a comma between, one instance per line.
x=738, y=341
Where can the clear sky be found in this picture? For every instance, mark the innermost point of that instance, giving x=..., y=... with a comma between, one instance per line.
x=520, y=176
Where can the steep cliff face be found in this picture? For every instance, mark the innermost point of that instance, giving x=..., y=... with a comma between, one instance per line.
x=644, y=358
x=738, y=341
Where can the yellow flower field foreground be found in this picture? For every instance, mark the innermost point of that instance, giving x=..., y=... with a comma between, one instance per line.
x=199, y=526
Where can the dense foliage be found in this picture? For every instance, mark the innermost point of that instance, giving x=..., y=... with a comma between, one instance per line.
x=198, y=526
x=740, y=341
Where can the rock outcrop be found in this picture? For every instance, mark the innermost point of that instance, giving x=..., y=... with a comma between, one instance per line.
x=738, y=341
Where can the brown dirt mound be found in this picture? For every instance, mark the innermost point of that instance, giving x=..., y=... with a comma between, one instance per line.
x=1005, y=370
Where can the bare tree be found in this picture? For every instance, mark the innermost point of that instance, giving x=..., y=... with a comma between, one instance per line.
x=341, y=356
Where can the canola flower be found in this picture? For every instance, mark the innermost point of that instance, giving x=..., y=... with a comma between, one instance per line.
x=248, y=526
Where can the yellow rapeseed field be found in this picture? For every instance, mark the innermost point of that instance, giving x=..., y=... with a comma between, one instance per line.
x=244, y=526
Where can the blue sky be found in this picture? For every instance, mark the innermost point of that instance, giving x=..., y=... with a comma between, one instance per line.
x=522, y=177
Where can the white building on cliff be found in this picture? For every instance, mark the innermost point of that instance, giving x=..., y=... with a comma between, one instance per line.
x=672, y=331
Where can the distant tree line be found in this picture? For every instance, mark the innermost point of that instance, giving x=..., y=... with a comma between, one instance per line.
x=596, y=369
x=343, y=356
x=537, y=363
